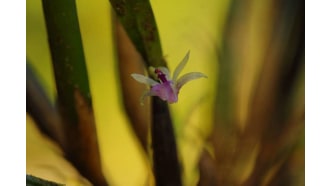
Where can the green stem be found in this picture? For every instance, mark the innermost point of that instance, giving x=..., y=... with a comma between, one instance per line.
x=66, y=50
x=74, y=100
x=138, y=20
x=166, y=164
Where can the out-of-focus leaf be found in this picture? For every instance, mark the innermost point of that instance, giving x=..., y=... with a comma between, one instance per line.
x=261, y=63
x=35, y=181
x=38, y=105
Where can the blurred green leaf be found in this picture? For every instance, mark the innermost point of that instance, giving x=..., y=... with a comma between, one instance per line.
x=35, y=181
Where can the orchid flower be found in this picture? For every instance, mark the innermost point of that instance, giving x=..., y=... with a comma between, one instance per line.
x=166, y=88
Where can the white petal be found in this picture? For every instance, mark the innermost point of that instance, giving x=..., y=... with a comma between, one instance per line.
x=144, y=79
x=144, y=95
x=188, y=77
x=181, y=65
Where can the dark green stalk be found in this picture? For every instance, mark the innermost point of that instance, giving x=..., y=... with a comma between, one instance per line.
x=166, y=165
x=66, y=50
x=138, y=20
x=74, y=99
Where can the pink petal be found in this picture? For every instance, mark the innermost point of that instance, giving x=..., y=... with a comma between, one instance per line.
x=165, y=91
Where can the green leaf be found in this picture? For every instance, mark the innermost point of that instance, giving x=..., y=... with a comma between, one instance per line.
x=74, y=100
x=35, y=181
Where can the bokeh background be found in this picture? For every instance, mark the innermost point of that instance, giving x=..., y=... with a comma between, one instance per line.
x=245, y=122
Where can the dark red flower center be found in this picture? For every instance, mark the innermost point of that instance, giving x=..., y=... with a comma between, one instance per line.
x=161, y=76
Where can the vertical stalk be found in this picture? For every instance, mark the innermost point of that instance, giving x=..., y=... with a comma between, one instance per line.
x=166, y=165
x=138, y=20
x=74, y=99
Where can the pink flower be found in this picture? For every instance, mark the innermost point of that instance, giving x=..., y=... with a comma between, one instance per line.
x=166, y=88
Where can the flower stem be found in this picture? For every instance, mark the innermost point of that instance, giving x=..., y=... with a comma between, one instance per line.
x=138, y=20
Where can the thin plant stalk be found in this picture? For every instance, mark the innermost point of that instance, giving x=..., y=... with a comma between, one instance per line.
x=138, y=20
